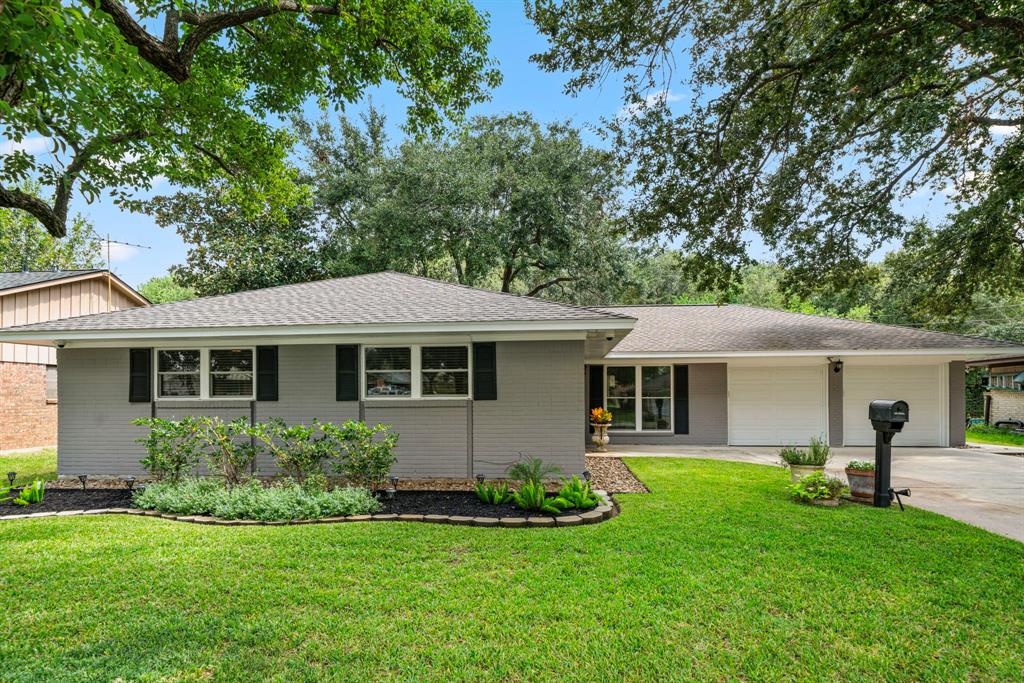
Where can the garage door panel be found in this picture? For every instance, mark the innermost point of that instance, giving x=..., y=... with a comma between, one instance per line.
x=776, y=406
x=921, y=386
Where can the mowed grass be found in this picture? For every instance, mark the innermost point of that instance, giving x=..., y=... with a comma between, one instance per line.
x=41, y=464
x=715, y=575
x=986, y=434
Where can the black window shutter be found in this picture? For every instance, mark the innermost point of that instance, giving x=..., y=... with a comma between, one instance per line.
x=596, y=389
x=682, y=399
x=346, y=385
x=140, y=375
x=266, y=373
x=485, y=371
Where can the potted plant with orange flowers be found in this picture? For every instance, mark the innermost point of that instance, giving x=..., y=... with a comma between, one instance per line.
x=599, y=420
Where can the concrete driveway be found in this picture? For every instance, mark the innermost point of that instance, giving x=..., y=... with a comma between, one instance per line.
x=980, y=485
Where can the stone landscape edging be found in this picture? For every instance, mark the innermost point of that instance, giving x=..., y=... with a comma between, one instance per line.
x=597, y=515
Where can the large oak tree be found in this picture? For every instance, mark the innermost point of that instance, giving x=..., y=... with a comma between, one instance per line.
x=127, y=92
x=808, y=122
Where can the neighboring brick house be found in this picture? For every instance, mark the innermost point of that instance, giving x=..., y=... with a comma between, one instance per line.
x=1004, y=389
x=28, y=373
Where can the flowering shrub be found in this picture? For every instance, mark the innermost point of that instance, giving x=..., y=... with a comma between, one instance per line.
x=600, y=416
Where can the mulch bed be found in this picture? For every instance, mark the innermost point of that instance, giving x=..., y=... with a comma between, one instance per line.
x=60, y=500
x=612, y=475
x=405, y=502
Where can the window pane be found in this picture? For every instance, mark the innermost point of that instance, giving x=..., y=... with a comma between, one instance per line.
x=231, y=384
x=657, y=381
x=657, y=413
x=179, y=385
x=622, y=381
x=51, y=382
x=446, y=383
x=388, y=358
x=225, y=360
x=623, y=413
x=389, y=383
x=178, y=361
x=445, y=358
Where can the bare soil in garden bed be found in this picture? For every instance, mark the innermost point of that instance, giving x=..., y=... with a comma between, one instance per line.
x=60, y=500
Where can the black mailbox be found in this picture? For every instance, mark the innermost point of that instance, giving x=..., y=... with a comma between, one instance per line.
x=888, y=416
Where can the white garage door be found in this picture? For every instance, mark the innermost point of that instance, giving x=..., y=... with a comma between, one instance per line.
x=776, y=406
x=922, y=386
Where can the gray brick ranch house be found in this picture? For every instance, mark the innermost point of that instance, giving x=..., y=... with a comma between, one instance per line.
x=471, y=379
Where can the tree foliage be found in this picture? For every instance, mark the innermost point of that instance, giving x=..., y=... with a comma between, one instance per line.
x=164, y=289
x=505, y=203
x=24, y=245
x=125, y=92
x=808, y=122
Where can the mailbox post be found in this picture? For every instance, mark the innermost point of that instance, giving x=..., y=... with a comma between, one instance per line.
x=887, y=418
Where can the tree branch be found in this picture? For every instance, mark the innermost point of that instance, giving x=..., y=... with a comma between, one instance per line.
x=16, y=199
x=990, y=121
x=154, y=51
x=550, y=283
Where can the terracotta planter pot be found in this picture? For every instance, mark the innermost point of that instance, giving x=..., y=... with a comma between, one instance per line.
x=862, y=483
x=798, y=471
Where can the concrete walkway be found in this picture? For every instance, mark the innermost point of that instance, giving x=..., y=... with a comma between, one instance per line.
x=982, y=485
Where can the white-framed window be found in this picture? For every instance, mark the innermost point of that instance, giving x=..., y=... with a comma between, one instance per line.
x=1006, y=381
x=51, y=383
x=204, y=373
x=416, y=371
x=639, y=397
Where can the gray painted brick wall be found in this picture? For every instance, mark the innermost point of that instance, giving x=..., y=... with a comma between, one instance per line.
x=709, y=411
x=957, y=403
x=538, y=411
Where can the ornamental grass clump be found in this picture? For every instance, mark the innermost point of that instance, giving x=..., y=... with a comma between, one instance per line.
x=816, y=454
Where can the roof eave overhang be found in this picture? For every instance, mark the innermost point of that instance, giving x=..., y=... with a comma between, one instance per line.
x=299, y=333
x=838, y=353
x=115, y=281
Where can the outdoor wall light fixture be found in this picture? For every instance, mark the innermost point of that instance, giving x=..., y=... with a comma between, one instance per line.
x=837, y=365
x=82, y=478
x=11, y=476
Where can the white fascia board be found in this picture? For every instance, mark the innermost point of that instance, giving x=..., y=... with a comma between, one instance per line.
x=953, y=353
x=304, y=334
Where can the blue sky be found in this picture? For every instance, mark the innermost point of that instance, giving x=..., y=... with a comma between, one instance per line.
x=525, y=88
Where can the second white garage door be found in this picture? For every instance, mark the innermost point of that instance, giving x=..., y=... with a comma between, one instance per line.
x=776, y=406
x=921, y=386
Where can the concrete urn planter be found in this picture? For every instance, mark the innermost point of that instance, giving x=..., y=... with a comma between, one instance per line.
x=796, y=472
x=600, y=436
x=862, y=483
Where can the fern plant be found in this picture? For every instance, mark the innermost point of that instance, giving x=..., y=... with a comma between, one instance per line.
x=575, y=494
x=531, y=497
x=494, y=494
x=532, y=470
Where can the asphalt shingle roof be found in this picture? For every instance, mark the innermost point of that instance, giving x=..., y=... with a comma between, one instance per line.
x=735, y=328
x=32, y=277
x=363, y=299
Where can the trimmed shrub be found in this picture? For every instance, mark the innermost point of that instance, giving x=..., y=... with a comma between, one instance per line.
x=172, y=447
x=297, y=449
x=365, y=454
x=228, y=447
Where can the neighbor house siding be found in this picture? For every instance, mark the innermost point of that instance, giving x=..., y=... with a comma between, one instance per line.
x=95, y=430
x=709, y=411
x=957, y=403
x=835, y=405
x=537, y=413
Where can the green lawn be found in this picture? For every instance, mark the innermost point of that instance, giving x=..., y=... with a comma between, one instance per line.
x=713, y=576
x=40, y=464
x=986, y=434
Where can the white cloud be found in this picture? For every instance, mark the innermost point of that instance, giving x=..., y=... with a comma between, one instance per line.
x=652, y=100
x=33, y=145
x=1004, y=130
x=118, y=252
